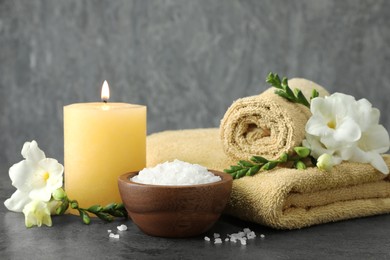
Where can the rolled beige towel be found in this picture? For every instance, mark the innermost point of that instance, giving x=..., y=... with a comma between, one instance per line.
x=266, y=124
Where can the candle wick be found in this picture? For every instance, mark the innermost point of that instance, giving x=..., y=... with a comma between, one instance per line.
x=105, y=100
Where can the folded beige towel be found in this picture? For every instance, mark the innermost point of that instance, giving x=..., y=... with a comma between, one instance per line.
x=266, y=124
x=281, y=198
x=170, y=145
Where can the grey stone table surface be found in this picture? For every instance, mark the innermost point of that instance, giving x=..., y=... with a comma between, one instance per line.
x=68, y=238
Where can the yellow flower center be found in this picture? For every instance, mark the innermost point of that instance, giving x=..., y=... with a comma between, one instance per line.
x=46, y=176
x=332, y=124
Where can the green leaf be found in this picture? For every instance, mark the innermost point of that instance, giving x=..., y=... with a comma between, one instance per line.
x=234, y=175
x=290, y=93
x=85, y=217
x=253, y=170
x=241, y=173
x=314, y=94
x=301, y=98
x=232, y=169
x=274, y=80
x=283, y=94
x=119, y=214
x=285, y=91
x=104, y=216
x=245, y=163
x=95, y=208
x=120, y=206
x=269, y=166
x=284, y=83
x=109, y=207
x=259, y=159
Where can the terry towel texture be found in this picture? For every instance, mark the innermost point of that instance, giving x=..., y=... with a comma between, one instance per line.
x=266, y=124
x=281, y=198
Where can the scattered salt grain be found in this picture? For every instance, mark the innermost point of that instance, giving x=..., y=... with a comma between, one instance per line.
x=112, y=235
x=176, y=173
x=251, y=235
x=109, y=231
x=241, y=236
x=122, y=227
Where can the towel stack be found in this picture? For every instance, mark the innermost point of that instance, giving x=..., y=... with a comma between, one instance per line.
x=268, y=125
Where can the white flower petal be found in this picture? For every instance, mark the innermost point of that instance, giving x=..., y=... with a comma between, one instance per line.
x=359, y=155
x=366, y=114
x=21, y=174
x=330, y=143
x=340, y=104
x=347, y=152
x=336, y=160
x=318, y=106
x=375, y=159
x=378, y=163
x=52, y=166
x=317, y=126
x=316, y=147
x=43, y=194
x=17, y=201
x=376, y=138
x=347, y=130
x=55, y=173
x=31, y=152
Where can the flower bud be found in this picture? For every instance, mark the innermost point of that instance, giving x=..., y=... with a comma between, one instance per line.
x=325, y=162
x=283, y=158
x=300, y=165
x=302, y=151
x=59, y=194
x=74, y=204
x=85, y=217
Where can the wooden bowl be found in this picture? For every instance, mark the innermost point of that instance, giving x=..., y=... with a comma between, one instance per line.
x=175, y=211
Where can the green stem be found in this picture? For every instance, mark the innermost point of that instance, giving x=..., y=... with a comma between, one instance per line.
x=258, y=163
x=283, y=90
x=107, y=213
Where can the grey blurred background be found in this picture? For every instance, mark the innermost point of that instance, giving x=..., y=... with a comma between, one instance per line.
x=187, y=60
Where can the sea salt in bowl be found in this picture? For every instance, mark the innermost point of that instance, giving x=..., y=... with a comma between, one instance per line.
x=175, y=210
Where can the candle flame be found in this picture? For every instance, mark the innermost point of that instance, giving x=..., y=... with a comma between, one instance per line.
x=105, y=91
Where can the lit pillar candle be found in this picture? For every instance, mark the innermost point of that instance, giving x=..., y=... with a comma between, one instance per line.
x=102, y=141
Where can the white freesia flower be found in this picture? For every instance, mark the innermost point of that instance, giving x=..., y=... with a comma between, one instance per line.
x=37, y=213
x=348, y=130
x=35, y=178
